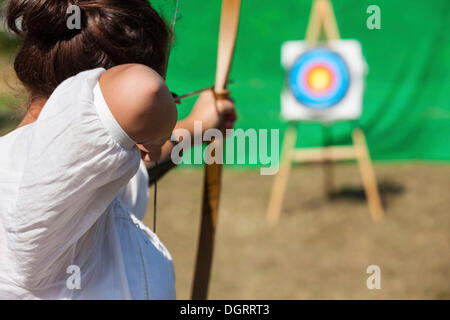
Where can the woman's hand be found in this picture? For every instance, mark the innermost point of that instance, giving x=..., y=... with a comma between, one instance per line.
x=213, y=113
x=150, y=153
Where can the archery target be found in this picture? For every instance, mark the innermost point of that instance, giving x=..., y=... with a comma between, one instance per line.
x=319, y=78
x=324, y=83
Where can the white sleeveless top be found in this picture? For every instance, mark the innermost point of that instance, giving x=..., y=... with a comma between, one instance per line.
x=73, y=192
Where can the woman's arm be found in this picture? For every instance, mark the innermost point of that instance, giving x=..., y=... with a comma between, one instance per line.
x=211, y=113
x=145, y=109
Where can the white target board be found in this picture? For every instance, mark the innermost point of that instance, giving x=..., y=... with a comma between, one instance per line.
x=324, y=83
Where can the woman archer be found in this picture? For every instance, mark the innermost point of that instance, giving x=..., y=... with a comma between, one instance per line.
x=73, y=180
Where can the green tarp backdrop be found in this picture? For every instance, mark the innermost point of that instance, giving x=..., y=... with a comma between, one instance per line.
x=407, y=98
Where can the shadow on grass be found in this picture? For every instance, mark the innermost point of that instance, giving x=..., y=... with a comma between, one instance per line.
x=388, y=189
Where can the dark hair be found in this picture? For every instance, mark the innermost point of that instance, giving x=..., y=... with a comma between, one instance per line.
x=112, y=32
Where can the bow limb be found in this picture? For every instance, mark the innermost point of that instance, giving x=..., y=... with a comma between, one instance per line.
x=229, y=21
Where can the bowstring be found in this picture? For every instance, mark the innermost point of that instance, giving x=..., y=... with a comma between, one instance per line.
x=155, y=191
x=174, y=21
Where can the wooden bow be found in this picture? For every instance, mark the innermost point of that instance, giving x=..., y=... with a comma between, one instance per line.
x=229, y=21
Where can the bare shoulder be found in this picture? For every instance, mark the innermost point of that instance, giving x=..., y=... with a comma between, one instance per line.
x=139, y=99
x=132, y=83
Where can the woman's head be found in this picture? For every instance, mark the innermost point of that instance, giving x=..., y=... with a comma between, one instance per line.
x=112, y=32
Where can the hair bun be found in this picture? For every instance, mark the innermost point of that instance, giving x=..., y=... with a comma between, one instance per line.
x=113, y=32
x=40, y=18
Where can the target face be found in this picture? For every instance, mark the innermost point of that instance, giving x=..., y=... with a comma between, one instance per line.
x=319, y=78
x=324, y=83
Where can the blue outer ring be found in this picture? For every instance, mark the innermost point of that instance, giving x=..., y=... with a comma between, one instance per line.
x=297, y=77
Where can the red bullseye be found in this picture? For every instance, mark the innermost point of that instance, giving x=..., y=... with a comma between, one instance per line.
x=319, y=79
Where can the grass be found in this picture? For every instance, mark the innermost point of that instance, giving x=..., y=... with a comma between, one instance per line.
x=321, y=248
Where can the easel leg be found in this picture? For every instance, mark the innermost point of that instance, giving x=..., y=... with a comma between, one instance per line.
x=281, y=179
x=322, y=14
x=368, y=176
x=328, y=163
x=328, y=178
x=313, y=30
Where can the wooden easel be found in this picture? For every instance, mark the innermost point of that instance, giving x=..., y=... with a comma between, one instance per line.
x=322, y=15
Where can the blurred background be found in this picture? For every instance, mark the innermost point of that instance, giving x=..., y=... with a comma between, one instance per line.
x=323, y=243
